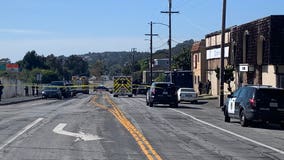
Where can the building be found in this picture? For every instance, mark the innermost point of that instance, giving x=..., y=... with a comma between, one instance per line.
x=161, y=64
x=213, y=55
x=198, y=57
x=258, y=51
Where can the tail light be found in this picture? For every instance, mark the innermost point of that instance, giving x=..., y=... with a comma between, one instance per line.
x=252, y=102
x=153, y=91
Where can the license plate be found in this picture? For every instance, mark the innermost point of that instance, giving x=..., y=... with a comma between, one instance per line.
x=273, y=104
x=165, y=92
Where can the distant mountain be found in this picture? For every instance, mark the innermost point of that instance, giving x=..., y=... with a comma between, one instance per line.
x=178, y=49
x=112, y=60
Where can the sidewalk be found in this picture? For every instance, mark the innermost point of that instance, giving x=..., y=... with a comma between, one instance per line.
x=206, y=97
x=14, y=100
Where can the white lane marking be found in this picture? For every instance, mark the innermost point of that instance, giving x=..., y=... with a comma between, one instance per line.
x=232, y=133
x=83, y=136
x=11, y=139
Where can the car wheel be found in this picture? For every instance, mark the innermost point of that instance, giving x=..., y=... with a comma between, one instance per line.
x=147, y=103
x=244, y=121
x=175, y=105
x=151, y=104
x=227, y=118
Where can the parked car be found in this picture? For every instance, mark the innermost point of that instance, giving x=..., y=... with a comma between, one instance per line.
x=187, y=95
x=147, y=95
x=255, y=103
x=162, y=93
x=51, y=92
x=65, y=89
x=101, y=88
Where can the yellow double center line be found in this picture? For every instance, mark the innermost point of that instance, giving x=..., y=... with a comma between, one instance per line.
x=142, y=142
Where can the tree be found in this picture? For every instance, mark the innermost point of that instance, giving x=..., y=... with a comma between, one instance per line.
x=76, y=65
x=32, y=60
x=183, y=60
x=228, y=75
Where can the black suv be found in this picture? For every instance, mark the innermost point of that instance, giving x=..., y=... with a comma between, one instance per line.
x=162, y=93
x=256, y=103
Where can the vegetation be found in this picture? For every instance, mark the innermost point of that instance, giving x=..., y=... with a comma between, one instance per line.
x=96, y=64
x=50, y=68
x=228, y=75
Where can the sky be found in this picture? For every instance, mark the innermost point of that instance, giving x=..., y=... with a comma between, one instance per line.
x=67, y=27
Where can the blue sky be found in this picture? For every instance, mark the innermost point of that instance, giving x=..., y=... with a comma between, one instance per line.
x=65, y=27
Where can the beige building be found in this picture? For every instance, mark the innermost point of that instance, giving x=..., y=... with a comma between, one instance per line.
x=213, y=55
x=198, y=57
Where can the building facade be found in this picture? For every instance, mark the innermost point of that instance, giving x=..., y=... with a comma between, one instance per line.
x=258, y=51
x=198, y=57
x=213, y=55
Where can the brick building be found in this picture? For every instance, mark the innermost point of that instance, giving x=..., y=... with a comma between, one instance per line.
x=259, y=47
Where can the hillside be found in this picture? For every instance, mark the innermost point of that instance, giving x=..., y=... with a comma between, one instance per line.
x=113, y=61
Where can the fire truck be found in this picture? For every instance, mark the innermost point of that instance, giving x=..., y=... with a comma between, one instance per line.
x=122, y=86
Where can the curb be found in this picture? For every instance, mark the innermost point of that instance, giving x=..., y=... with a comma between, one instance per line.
x=19, y=101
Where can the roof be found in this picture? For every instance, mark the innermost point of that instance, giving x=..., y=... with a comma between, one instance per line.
x=196, y=46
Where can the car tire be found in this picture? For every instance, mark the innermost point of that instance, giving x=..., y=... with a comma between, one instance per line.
x=147, y=103
x=175, y=105
x=243, y=120
x=151, y=104
x=227, y=118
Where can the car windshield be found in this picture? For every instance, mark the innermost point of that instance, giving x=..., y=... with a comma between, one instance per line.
x=50, y=88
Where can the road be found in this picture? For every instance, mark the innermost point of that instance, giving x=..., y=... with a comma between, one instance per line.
x=99, y=127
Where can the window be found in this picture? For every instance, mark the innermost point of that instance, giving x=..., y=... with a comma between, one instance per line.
x=195, y=61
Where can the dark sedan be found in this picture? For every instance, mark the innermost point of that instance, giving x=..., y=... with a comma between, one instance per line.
x=51, y=92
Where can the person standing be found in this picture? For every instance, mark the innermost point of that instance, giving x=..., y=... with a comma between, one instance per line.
x=33, y=89
x=1, y=90
x=208, y=86
x=200, y=87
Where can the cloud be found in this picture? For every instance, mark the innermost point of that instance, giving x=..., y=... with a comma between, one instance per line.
x=22, y=31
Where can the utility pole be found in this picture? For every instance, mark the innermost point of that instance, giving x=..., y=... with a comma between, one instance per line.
x=170, y=36
x=221, y=91
x=133, y=50
x=151, y=50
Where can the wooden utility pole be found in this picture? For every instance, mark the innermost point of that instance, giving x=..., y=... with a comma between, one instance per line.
x=170, y=36
x=151, y=50
x=221, y=91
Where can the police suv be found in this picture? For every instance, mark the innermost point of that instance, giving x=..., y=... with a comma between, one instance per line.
x=255, y=103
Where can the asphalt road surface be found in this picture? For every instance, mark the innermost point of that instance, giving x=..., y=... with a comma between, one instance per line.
x=101, y=127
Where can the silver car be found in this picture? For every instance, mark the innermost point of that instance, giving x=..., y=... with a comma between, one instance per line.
x=187, y=95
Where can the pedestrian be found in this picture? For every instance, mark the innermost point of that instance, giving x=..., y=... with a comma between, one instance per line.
x=26, y=90
x=208, y=86
x=200, y=86
x=37, y=90
x=33, y=90
x=1, y=90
